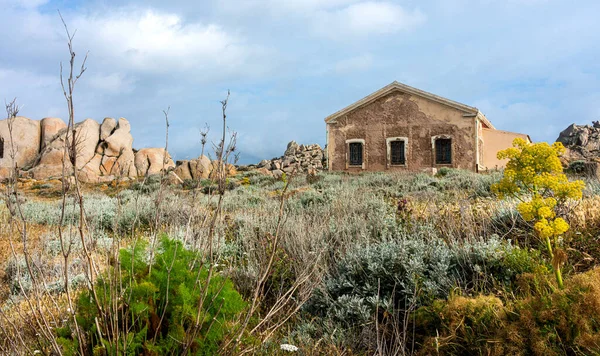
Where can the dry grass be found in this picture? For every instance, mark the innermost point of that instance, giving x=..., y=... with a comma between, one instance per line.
x=323, y=220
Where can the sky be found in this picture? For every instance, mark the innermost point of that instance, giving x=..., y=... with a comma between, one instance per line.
x=530, y=66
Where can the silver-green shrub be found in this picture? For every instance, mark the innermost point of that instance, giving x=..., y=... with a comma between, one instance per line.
x=411, y=270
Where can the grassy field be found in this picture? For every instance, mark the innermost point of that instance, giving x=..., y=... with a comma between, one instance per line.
x=331, y=264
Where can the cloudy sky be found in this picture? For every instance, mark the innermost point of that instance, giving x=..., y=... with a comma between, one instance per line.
x=530, y=65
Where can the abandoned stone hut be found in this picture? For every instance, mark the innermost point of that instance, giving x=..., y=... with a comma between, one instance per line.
x=403, y=128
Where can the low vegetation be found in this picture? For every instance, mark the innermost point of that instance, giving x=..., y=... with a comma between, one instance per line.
x=328, y=263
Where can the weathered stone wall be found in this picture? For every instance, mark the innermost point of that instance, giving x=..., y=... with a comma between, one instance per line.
x=402, y=115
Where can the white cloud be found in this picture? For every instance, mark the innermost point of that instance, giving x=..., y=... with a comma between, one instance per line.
x=367, y=18
x=159, y=42
x=113, y=83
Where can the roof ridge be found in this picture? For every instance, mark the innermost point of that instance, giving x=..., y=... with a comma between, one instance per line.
x=402, y=87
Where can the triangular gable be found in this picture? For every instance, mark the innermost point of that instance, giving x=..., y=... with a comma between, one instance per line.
x=396, y=86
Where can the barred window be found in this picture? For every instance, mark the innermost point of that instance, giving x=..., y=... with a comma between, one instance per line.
x=443, y=151
x=397, y=153
x=356, y=153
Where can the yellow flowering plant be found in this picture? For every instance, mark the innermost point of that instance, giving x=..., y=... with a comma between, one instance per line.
x=534, y=175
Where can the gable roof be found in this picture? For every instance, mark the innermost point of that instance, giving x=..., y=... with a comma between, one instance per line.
x=469, y=111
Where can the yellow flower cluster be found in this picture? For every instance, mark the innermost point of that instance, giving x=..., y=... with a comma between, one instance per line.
x=559, y=185
x=550, y=228
x=535, y=168
x=538, y=208
x=527, y=161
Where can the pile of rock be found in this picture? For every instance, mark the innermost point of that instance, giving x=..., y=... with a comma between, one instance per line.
x=297, y=158
x=583, y=144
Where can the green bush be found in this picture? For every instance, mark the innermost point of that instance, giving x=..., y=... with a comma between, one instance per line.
x=150, y=185
x=313, y=178
x=442, y=172
x=213, y=188
x=312, y=198
x=38, y=186
x=190, y=184
x=144, y=298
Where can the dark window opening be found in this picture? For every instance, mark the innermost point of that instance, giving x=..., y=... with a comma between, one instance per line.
x=356, y=153
x=1, y=147
x=397, y=153
x=443, y=151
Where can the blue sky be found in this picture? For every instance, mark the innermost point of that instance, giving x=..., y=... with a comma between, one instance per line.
x=530, y=65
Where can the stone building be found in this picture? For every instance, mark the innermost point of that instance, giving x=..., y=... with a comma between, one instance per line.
x=401, y=128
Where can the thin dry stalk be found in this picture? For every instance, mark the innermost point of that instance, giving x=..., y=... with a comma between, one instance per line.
x=222, y=153
x=159, y=197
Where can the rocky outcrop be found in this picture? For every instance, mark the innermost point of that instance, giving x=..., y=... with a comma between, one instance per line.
x=229, y=170
x=102, y=154
x=104, y=151
x=107, y=128
x=149, y=161
x=114, y=150
x=582, y=143
x=26, y=136
x=199, y=168
x=50, y=127
x=296, y=159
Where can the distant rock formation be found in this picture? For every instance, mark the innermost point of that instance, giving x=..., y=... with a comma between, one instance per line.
x=200, y=168
x=582, y=141
x=149, y=161
x=25, y=144
x=104, y=151
x=583, y=144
